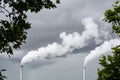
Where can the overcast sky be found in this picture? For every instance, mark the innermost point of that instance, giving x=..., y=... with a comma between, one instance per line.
x=46, y=28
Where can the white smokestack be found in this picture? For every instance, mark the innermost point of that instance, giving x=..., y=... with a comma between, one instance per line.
x=21, y=72
x=84, y=73
x=102, y=49
x=69, y=43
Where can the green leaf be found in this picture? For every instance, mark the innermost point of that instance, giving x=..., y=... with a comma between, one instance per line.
x=117, y=2
x=58, y=1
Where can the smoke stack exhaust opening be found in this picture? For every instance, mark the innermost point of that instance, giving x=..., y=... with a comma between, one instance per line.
x=84, y=73
x=21, y=72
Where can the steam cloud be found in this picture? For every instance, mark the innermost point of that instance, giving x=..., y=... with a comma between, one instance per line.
x=69, y=43
x=102, y=49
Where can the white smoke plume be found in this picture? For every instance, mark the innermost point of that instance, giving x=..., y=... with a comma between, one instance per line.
x=105, y=48
x=69, y=43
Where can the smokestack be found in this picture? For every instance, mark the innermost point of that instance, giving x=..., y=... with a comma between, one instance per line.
x=21, y=72
x=84, y=73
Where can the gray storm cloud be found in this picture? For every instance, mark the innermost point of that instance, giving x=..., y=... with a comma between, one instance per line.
x=69, y=43
x=104, y=48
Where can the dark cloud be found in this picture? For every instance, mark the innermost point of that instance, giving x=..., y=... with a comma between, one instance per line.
x=48, y=24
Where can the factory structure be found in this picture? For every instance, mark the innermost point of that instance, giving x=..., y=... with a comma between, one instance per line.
x=21, y=72
x=84, y=72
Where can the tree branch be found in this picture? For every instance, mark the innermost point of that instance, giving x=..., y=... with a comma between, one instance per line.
x=1, y=7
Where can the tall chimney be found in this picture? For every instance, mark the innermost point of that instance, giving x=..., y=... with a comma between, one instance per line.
x=84, y=73
x=21, y=72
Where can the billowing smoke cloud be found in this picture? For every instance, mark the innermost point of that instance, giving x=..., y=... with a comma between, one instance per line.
x=105, y=48
x=69, y=43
